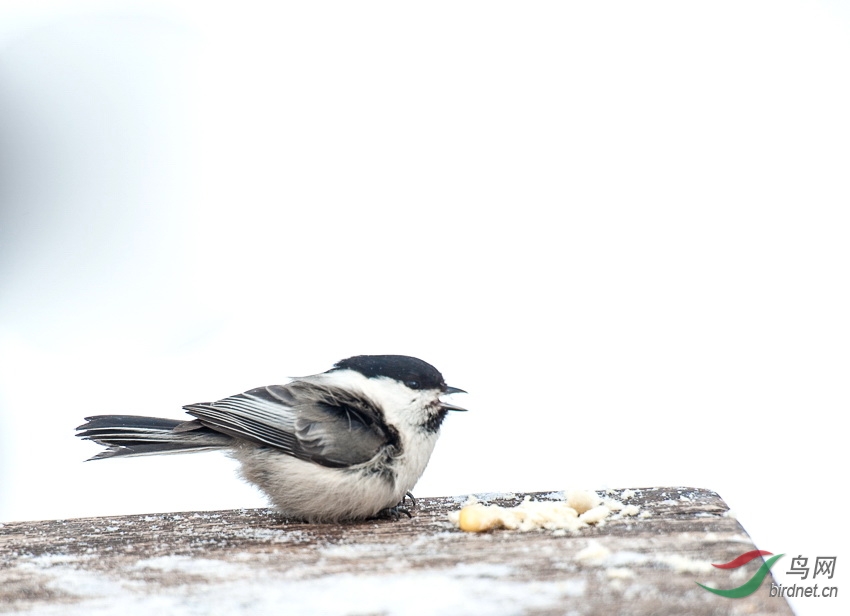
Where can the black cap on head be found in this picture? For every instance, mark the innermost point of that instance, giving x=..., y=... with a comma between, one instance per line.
x=413, y=372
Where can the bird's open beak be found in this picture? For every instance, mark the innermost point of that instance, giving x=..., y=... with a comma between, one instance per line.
x=452, y=407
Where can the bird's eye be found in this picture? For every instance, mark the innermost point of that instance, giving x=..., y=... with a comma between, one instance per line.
x=412, y=384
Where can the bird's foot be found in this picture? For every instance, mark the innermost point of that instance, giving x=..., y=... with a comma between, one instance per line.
x=396, y=512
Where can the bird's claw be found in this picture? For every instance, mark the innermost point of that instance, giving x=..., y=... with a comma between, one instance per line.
x=396, y=512
x=412, y=500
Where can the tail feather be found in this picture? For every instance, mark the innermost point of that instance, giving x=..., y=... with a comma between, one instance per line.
x=131, y=435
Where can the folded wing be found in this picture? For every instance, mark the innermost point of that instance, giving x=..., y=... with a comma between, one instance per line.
x=325, y=425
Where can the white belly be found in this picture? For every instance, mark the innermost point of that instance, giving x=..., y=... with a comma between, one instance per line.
x=316, y=493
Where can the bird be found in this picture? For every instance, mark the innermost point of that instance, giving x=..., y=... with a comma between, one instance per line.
x=347, y=444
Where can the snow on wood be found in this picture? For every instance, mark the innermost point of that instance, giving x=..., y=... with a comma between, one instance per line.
x=252, y=561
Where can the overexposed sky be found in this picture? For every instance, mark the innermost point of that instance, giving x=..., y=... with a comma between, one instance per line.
x=621, y=227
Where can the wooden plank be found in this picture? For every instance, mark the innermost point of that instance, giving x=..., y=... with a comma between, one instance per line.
x=241, y=561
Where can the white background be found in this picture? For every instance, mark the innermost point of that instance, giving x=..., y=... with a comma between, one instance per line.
x=623, y=228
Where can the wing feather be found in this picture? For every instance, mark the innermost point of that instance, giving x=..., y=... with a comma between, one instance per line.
x=319, y=423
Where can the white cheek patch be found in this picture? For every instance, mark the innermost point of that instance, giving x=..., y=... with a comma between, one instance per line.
x=391, y=396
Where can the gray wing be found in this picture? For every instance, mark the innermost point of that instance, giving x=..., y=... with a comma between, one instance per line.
x=329, y=426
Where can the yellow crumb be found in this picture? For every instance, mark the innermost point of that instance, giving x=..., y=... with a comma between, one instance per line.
x=582, y=500
x=477, y=518
x=579, y=509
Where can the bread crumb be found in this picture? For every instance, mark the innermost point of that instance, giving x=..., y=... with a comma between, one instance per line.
x=477, y=518
x=631, y=510
x=619, y=573
x=627, y=494
x=579, y=509
x=595, y=515
x=613, y=505
x=582, y=500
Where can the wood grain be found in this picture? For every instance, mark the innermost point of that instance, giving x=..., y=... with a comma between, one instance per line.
x=252, y=561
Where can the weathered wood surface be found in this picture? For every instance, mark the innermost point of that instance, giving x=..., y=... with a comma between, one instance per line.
x=252, y=561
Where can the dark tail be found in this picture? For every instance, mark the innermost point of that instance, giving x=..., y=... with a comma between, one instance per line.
x=130, y=435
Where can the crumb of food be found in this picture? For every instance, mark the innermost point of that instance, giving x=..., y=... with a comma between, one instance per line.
x=630, y=510
x=627, y=494
x=579, y=509
x=613, y=505
x=477, y=518
x=595, y=515
x=619, y=573
x=582, y=500
x=528, y=515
